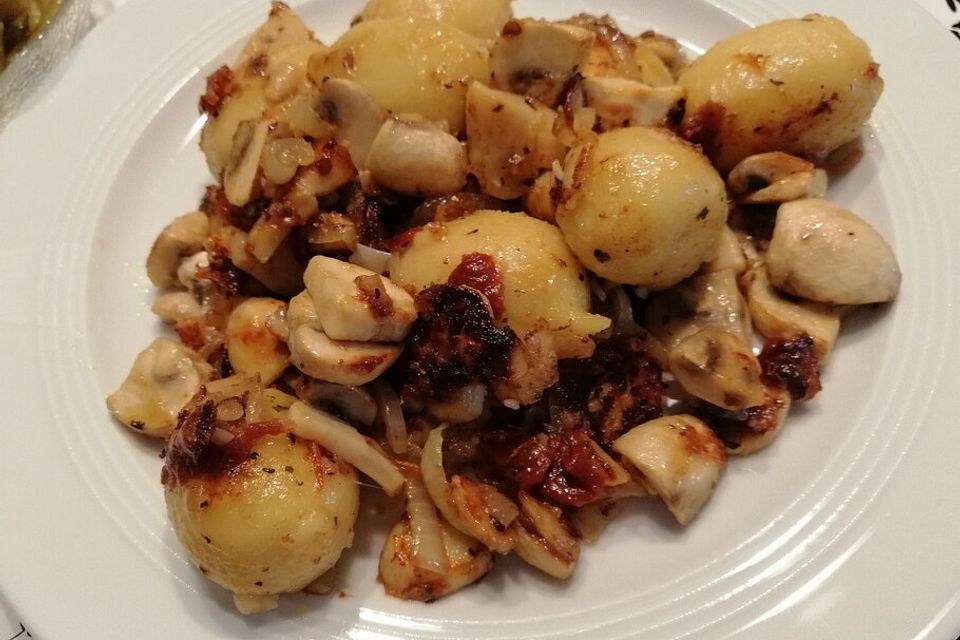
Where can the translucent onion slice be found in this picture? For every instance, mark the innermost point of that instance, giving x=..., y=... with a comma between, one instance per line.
x=475, y=509
x=543, y=541
x=427, y=539
x=370, y=258
x=346, y=442
x=391, y=414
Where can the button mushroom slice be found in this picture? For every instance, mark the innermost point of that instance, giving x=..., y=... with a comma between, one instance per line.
x=355, y=113
x=340, y=361
x=543, y=540
x=615, y=54
x=718, y=367
x=162, y=380
x=510, y=140
x=667, y=49
x=537, y=58
x=417, y=158
x=625, y=103
x=243, y=165
x=729, y=254
x=707, y=300
x=181, y=238
x=774, y=177
x=823, y=252
x=353, y=403
x=679, y=458
x=775, y=315
x=354, y=303
x=177, y=306
x=252, y=341
x=746, y=432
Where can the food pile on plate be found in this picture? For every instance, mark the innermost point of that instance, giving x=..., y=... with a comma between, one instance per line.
x=510, y=270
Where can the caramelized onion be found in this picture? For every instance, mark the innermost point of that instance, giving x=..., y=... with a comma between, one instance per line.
x=427, y=549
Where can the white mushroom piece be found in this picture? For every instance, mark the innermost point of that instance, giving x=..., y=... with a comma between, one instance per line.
x=749, y=431
x=718, y=367
x=774, y=177
x=711, y=299
x=510, y=140
x=254, y=338
x=180, y=239
x=679, y=458
x=537, y=58
x=355, y=114
x=162, y=380
x=775, y=315
x=823, y=252
x=620, y=102
x=348, y=325
x=417, y=158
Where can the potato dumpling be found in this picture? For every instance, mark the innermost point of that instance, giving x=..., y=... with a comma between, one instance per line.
x=480, y=19
x=543, y=283
x=641, y=206
x=266, y=518
x=803, y=85
x=429, y=79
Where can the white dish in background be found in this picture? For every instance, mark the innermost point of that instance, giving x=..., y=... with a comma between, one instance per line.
x=844, y=528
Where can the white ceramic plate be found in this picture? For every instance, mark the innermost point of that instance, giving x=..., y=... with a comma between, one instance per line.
x=845, y=528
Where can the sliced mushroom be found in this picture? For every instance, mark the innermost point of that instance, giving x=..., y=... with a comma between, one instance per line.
x=339, y=361
x=510, y=140
x=253, y=345
x=162, y=380
x=354, y=112
x=653, y=69
x=354, y=303
x=181, y=238
x=718, y=367
x=240, y=174
x=625, y=103
x=543, y=540
x=777, y=316
x=749, y=431
x=537, y=58
x=708, y=300
x=417, y=158
x=353, y=403
x=679, y=458
x=823, y=252
x=773, y=177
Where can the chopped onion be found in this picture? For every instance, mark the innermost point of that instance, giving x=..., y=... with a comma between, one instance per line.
x=475, y=509
x=391, y=413
x=428, y=551
x=370, y=258
x=346, y=442
x=221, y=437
x=465, y=405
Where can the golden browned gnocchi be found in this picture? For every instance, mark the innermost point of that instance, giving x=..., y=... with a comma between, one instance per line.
x=641, y=206
x=431, y=83
x=804, y=85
